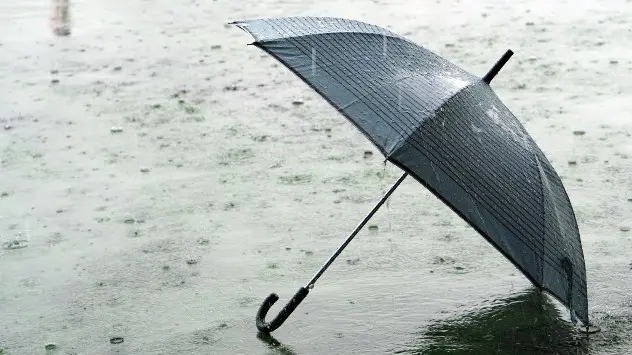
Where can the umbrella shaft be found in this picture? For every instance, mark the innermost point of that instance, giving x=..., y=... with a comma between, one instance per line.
x=355, y=231
x=496, y=68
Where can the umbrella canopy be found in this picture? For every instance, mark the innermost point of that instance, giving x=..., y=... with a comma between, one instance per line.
x=450, y=131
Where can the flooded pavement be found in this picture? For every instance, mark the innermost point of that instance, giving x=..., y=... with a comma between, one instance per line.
x=159, y=178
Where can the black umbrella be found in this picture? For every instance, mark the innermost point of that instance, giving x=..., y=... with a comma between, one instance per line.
x=446, y=128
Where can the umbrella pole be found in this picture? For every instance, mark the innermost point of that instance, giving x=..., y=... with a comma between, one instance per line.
x=377, y=206
x=265, y=327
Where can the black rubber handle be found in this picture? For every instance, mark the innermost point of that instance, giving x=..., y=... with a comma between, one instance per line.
x=265, y=327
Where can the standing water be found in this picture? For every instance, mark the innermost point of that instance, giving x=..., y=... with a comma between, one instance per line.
x=164, y=234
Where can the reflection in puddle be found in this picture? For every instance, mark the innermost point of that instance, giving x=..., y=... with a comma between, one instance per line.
x=527, y=323
x=275, y=345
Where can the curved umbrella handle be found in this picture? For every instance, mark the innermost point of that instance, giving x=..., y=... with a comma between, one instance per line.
x=265, y=327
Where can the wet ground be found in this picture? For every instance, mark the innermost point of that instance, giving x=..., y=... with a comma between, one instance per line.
x=161, y=178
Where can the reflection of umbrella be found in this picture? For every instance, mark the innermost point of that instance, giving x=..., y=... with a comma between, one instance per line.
x=522, y=324
x=447, y=129
x=274, y=344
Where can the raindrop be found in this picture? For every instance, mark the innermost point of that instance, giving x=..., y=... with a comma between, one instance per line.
x=18, y=243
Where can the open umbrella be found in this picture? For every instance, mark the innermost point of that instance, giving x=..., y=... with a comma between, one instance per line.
x=447, y=129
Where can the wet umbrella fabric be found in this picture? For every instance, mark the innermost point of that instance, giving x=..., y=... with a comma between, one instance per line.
x=450, y=131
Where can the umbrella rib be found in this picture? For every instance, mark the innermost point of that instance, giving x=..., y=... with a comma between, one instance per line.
x=550, y=171
x=543, y=211
x=545, y=183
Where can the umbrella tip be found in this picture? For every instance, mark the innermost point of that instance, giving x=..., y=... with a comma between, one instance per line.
x=496, y=68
